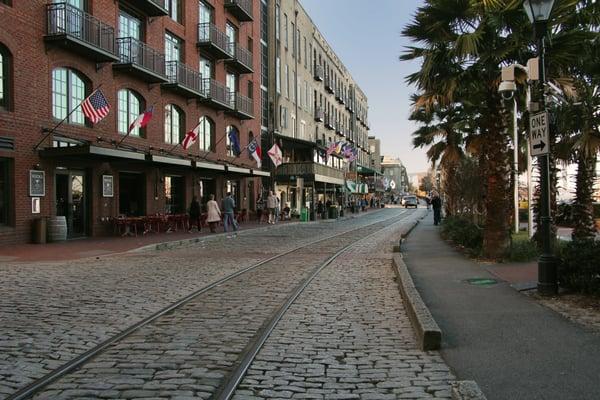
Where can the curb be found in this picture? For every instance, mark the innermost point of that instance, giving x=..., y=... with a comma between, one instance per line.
x=466, y=390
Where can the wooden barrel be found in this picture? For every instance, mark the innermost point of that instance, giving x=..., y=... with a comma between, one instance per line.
x=57, y=229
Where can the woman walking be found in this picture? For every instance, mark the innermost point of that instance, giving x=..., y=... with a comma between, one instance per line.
x=214, y=213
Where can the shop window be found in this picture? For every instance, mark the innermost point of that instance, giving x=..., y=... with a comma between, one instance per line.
x=5, y=77
x=174, y=124
x=5, y=188
x=174, y=195
x=130, y=107
x=206, y=132
x=68, y=91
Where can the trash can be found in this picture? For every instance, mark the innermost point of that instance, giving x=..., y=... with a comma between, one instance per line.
x=333, y=212
x=304, y=215
x=38, y=231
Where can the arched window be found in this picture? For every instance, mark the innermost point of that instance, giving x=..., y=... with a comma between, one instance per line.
x=206, y=130
x=231, y=152
x=5, y=77
x=130, y=107
x=174, y=124
x=68, y=91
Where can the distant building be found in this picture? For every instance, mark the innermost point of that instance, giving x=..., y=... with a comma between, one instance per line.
x=395, y=172
x=375, y=153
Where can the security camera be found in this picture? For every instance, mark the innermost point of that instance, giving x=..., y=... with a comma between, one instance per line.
x=507, y=89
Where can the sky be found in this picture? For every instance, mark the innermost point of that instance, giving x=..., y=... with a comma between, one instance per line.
x=366, y=36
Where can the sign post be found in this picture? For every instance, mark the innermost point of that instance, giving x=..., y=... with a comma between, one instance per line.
x=539, y=142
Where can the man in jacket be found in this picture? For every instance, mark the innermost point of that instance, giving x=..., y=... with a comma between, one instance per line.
x=228, y=214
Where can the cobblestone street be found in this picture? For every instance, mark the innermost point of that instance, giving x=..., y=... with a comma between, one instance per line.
x=52, y=312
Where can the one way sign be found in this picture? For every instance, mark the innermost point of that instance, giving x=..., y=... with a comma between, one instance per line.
x=539, y=143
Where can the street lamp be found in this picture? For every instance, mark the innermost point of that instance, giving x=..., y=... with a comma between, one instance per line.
x=538, y=12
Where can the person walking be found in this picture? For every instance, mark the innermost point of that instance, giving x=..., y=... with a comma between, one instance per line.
x=194, y=214
x=436, y=203
x=228, y=215
x=214, y=213
x=260, y=205
x=272, y=206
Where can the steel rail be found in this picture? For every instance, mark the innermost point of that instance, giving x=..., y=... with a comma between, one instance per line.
x=226, y=390
x=51, y=377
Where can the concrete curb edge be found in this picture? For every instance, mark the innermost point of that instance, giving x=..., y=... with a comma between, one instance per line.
x=467, y=390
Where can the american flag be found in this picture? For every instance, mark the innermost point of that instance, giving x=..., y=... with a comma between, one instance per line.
x=95, y=107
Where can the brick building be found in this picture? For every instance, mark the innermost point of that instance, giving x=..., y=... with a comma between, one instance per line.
x=194, y=62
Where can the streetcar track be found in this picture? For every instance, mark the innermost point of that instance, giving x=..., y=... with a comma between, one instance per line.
x=227, y=389
x=51, y=377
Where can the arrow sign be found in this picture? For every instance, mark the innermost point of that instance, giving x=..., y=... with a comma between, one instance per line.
x=538, y=134
x=540, y=146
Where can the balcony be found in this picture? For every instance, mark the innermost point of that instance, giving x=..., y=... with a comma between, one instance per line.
x=216, y=94
x=311, y=171
x=75, y=30
x=328, y=122
x=241, y=9
x=319, y=114
x=213, y=41
x=242, y=59
x=350, y=105
x=329, y=84
x=242, y=107
x=140, y=59
x=152, y=8
x=183, y=80
x=318, y=73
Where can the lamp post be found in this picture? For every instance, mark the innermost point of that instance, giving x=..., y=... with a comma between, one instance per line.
x=538, y=12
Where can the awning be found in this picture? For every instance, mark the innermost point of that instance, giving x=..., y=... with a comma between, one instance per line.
x=171, y=160
x=354, y=187
x=209, y=165
x=329, y=179
x=366, y=170
x=91, y=150
x=238, y=170
x=258, y=172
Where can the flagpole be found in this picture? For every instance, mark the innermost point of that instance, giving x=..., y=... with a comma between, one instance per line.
x=129, y=130
x=51, y=131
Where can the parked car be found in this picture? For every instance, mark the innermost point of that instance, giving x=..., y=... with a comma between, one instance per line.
x=410, y=201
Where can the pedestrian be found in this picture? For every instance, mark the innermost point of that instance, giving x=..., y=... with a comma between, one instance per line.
x=436, y=203
x=229, y=215
x=213, y=213
x=260, y=205
x=428, y=201
x=194, y=214
x=272, y=206
x=320, y=209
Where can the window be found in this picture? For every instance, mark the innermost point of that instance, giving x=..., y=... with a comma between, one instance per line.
x=129, y=108
x=173, y=48
x=5, y=77
x=278, y=75
x=206, y=68
x=293, y=121
x=250, y=138
x=68, y=91
x=232, y=35
x=305, y=54
x=175, y=11
x=287, y=81
x=230, y=149
x=5, y=187
x=293, y=40
x=129, y=26
x=285, y=30
x=298, y=48
x=206, y=129
x=250, y=89
x=283, y=117
x=205, y=13
x=174, y=124
x=277, y=22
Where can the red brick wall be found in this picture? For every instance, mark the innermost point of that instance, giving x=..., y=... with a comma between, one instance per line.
x=23, y=29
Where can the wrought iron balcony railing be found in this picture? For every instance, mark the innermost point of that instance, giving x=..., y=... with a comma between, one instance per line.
x=241, y=9
x=79, y=31
x=309, y=169
x=318, y=73
x=241, y=60
x=329, y=84
x=216, y=94
x=140, y=58
x=214, y=41
x=184, y=79
x=242, y=106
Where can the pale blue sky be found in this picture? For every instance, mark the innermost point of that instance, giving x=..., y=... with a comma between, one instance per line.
x=366, y=36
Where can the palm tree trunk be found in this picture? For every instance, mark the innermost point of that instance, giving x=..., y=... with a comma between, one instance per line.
x=583, y=211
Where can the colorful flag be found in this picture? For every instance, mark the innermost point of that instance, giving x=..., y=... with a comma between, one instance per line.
x=276, y=155
x=338, y=147
x=142, y=120
x=353, y=155
x=348, y=150
x=95, y=107
x=234, y=142
x=255, y=152
x=331, y=148
x=190, y=138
